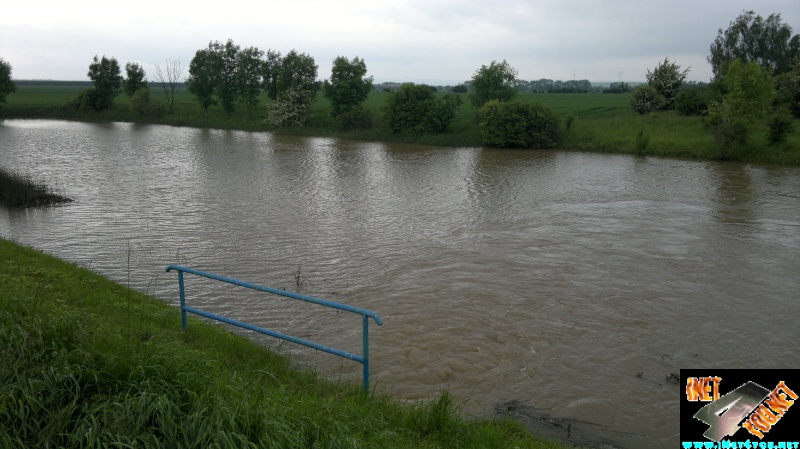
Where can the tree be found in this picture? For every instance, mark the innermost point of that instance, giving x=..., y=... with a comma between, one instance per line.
x=136, y=79
x=749, y=94
x=6, y=85
x=107, y=80
x=202, y=77
x=512, y=124
x=348, y=86
x=271, y=66
x=750, y=38
x=667, y=78
x=169, y=78
x=296, y=71
x=416, y=109
x=295, y=84
x=661, y=89
x=618, y=88
x=227, y=87
x=787, y=86
x=248, y=76
x=495, y=82
x=213, y=72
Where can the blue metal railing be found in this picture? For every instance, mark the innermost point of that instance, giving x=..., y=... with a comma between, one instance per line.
x=365, y=315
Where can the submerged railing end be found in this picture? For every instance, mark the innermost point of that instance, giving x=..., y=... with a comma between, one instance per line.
x=365, y=314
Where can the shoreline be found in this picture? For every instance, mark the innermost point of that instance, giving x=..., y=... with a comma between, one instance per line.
x=600, y=123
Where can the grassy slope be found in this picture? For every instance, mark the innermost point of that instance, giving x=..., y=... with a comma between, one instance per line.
x=603, y=122
x=90, y=363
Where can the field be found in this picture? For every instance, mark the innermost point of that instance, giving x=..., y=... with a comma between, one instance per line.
x=600, y=123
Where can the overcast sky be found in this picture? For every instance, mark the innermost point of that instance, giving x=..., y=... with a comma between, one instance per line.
x=431, y=41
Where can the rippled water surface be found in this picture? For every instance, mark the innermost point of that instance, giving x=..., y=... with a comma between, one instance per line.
x=548, y=277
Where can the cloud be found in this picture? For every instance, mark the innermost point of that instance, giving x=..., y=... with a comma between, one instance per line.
x=405, y=40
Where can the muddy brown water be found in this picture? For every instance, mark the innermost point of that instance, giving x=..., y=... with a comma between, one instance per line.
x=572, y=282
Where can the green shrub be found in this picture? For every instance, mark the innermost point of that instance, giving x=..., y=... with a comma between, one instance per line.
x=356, y=118
x=569, y=121
x=729, y=129
x=693, y=101
x=518, y=125
x=646, y=99
x=140, y=100
x=779, y=126
x=787, y=86
x=416, y=109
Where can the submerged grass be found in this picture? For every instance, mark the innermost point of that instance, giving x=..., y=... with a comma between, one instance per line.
x=601, y=123
x=21, y=190
x=89, y=363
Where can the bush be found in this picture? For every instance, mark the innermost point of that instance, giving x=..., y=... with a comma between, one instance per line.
x=518, y=125
x=787, y=86
x=646, y=99
x=693, y=101
x=779, y=126
x=416, y=109
x=460, y=89
x=140, y=100
x=356, y=118
x=290, y=109
x=85, y=100
x=729, y=129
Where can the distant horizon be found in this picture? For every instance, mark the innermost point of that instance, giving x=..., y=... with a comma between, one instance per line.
x=433, y=42
x=375, y=82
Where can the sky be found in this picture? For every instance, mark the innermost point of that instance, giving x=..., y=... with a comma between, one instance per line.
x=440, y=42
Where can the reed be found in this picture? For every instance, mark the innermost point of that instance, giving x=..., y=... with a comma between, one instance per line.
x=18, y=190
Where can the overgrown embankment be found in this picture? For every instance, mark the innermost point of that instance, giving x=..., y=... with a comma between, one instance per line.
x=89, y=363
x=590, y=122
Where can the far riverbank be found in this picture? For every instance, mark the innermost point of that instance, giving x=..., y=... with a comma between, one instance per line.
x=590, y=122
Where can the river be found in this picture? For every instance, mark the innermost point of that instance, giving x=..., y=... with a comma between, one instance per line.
x=575, y=282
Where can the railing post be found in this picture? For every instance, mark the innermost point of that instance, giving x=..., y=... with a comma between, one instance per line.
x=365, y=336
x=183, y=301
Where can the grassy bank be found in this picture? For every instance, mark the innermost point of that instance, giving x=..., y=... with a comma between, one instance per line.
x=90, y=363
x=21, y=190
x=601, y=122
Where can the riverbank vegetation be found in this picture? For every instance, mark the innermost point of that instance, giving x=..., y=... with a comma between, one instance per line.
x=589, y=122
x=19, y=190
x=89, y=363
x=738, y=116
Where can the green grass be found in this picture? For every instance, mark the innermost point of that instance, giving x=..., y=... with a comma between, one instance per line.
x=602, y=123
x=21, y=190
x=89, y=363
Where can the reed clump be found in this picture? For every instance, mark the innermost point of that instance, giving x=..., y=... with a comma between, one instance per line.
x=19, y=190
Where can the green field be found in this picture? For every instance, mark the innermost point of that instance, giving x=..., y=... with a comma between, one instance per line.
x=88, y=363
x=601, y=123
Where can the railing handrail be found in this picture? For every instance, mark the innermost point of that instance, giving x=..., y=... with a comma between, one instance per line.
x=275, y=291
x=365, y=315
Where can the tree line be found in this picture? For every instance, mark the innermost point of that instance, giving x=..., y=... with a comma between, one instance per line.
x=756, y=66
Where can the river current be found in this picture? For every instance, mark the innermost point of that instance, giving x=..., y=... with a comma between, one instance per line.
x=571, y=281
